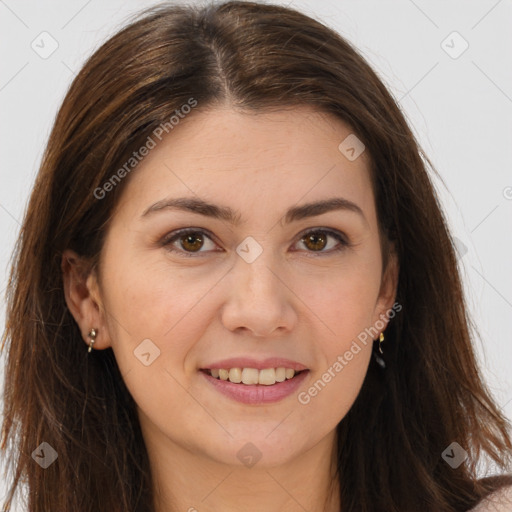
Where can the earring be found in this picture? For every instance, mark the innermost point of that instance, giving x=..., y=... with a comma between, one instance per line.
x=92, y=336
x=376, y=356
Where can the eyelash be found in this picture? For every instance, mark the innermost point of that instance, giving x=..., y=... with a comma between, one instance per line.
x=168, y=240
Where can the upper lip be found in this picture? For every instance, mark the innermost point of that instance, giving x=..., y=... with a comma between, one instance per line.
x=248, y=362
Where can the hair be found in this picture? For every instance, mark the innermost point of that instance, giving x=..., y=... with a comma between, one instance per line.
x=251, y=57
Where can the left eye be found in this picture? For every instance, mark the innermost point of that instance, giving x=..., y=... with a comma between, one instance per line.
x=192, y=241
x=318, y=240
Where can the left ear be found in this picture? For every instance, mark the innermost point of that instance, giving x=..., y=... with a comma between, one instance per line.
x=388, y=288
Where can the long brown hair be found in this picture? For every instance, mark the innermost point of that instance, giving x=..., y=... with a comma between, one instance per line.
x=251, y=57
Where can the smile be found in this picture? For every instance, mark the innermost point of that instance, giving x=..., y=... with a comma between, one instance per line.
x=256, y=386
x=253, y=376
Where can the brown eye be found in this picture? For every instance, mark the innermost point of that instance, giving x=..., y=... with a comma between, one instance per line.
x=316, y=241
x=191, y=242
x=186, y=242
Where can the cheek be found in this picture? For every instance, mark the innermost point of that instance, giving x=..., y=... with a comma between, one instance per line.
x=344, y=304
x=344, y=343
x=343, y=300
x=148, y=301
x=334, y=389
x=155, y=319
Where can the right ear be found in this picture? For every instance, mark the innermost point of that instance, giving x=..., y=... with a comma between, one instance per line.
x=83, y=298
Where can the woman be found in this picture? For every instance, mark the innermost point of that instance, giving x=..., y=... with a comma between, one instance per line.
x=234, y=217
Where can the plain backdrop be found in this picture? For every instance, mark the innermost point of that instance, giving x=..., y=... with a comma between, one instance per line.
x=448, y=64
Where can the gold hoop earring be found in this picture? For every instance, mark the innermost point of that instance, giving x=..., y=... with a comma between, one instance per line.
x=92, y=336
x=381, y=339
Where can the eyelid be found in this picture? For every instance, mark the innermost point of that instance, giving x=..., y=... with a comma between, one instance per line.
x=342, y=238
x=330, y=231
x=168, y=239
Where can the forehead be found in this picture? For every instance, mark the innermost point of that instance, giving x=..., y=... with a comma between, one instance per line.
x=251, y=160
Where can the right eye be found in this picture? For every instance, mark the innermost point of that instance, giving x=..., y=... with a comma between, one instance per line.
x=191, y=241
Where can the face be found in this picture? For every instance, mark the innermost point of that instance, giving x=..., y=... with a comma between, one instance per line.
x=181, y=291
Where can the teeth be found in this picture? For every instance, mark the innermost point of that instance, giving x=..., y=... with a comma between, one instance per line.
x=289, y=373
x=252, y=376
x=235, y=375
x=249, y=376
x=280, y=374
x=267, y=376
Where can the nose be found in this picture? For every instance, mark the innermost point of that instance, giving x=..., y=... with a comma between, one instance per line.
x=260, y=299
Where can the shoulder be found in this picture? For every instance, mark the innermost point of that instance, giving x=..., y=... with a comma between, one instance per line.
x=499, y=501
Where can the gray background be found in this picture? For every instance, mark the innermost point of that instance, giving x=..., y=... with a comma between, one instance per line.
x=458, y=103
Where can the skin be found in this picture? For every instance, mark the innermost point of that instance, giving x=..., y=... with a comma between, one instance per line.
x=290, y=302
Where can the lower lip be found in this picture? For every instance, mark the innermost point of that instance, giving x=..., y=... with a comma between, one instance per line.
x=258, y=393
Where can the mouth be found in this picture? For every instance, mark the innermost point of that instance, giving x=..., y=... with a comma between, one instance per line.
x=256, y=386
x=253, y=376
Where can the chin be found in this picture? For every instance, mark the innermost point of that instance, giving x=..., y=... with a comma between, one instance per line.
x=257, y=449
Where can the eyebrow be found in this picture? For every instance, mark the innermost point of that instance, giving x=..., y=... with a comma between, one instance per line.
x=295, y=213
